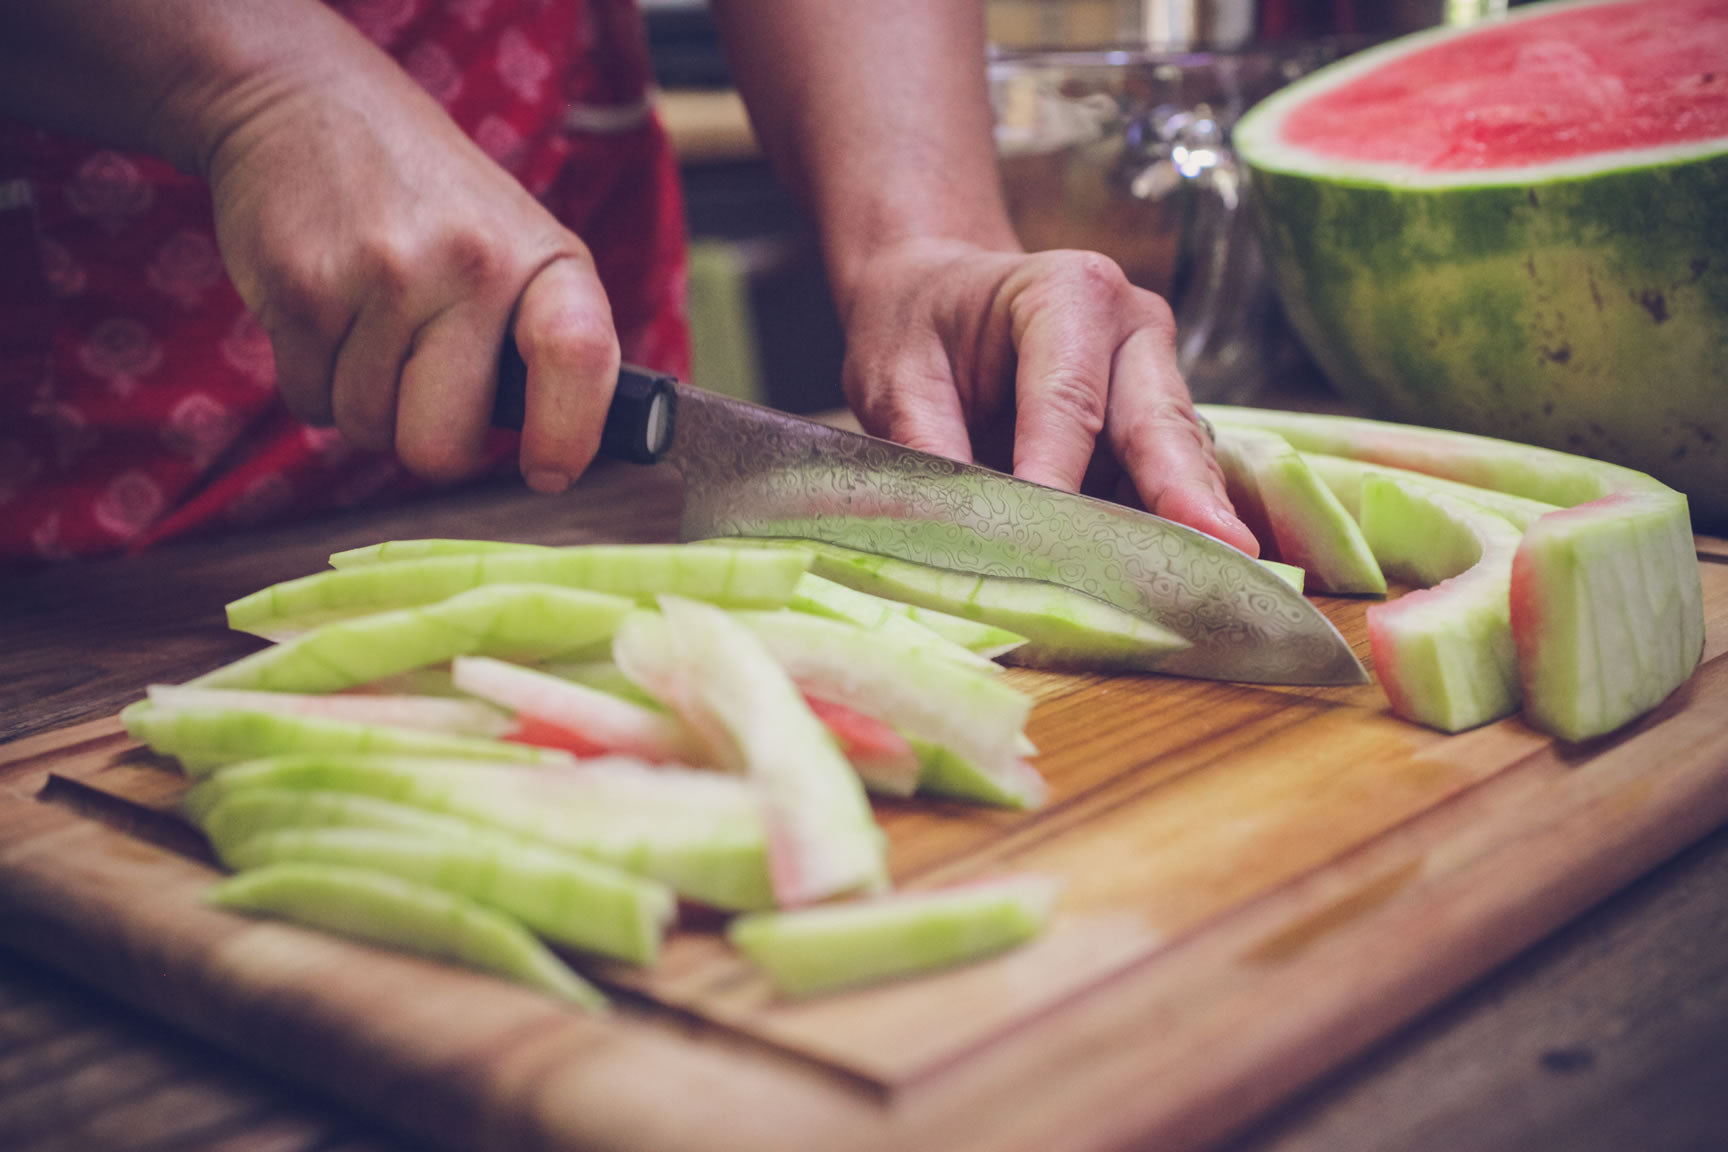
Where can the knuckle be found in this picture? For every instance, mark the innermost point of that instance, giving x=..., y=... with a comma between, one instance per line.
x=1151, y=311
x=1093, y=275
x=299, y=298
x=389, y=264
x=1162, y=422
x=479, y=262
x=582, y=350
x=1076, y=397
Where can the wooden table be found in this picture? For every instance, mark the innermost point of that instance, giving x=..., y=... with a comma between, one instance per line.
x=1612, y=1033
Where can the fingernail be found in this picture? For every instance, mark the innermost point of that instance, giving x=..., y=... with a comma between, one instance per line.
x=548, y=481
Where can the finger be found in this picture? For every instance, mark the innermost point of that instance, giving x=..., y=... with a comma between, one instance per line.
x=443, y=407
x=367, y=376
x=564, y=331
x=1066, y=346
x=305, y=363
x=1156, y=434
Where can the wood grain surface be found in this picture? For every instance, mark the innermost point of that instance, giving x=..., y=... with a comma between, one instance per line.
x=1261, y=883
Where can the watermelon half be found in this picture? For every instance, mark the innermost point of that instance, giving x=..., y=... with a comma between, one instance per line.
x=1519, y=229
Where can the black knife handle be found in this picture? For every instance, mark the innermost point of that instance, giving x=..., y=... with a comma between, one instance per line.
x=639, y=424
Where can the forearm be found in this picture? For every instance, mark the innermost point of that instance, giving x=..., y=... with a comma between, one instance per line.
x=167, y=77
x=877, y=115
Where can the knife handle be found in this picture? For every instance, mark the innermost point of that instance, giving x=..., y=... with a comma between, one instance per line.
x=639, y=424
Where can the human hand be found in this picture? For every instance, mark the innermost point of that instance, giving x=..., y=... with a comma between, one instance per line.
x=947, y=342
x=385, y=254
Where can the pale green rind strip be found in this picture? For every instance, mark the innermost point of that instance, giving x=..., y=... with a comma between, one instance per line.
x=1445, y=654
x=381, y=909
x=1064, y=628
x=391, y=551
x=558, y=895
x=602, y=676
x=201, y=739
x=1557, y=478
x=1270, y=482
x=699, y=833
x=1597, y=591
x=509, y=621
x=822, y=833
x=945, y=772
x=426, y=712
x=1345, y=476
x=979, y=717
x=1289, y=573
x=639, y=571
x=816, y=950
x=824, y=597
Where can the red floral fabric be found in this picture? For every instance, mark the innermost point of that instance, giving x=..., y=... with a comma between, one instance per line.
x=137, y=395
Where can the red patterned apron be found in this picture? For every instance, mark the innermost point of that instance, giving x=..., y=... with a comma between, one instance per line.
x=137, y=395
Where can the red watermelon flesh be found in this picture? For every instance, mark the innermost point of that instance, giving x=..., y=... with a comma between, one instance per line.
x=1545, y=89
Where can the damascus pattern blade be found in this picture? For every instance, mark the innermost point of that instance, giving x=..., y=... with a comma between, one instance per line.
x=752, y=471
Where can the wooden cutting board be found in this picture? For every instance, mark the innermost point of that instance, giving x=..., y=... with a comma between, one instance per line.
x=1259, y=883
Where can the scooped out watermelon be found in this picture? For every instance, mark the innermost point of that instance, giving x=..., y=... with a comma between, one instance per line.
x=1519, y=229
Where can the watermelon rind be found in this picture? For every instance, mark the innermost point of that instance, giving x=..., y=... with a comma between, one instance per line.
x=1444, y=653
x=1581, y=304
x=1606, y=597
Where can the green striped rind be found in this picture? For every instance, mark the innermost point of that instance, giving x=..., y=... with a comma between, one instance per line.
x=1583, y=307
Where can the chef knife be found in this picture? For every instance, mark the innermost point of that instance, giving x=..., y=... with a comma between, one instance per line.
x=754, y=471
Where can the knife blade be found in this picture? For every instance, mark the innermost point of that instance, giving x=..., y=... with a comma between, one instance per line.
x=749, y=470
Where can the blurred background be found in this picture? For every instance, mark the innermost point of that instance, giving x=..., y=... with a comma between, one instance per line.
x=1113, y=121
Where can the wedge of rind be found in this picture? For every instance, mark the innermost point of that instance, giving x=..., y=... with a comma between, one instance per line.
x=639, y=571
x=1606, y=596
x=719, y=678
x=379, y=908
x=812, y=951
x=1063, y=628
x=1294, y=514
x=1444, y=652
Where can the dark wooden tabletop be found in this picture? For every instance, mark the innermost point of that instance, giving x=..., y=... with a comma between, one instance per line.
x=1611, y=1035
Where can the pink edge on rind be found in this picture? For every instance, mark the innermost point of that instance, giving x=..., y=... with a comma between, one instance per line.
x=1383, y=649
x=784, y=855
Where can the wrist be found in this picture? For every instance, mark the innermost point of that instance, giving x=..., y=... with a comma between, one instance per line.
x=854, y=252
x=272, y=56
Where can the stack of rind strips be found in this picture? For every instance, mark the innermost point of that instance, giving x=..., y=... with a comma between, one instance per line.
x=1560, y=586
x=525, y=759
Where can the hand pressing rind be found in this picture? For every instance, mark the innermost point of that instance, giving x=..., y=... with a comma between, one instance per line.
x=948, y=340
